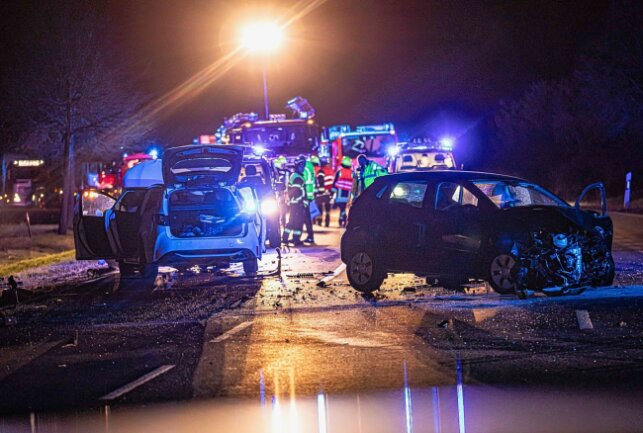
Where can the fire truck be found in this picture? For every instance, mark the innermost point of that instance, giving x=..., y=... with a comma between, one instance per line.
x=278, y=135
x=378, y=142
x=109, y=176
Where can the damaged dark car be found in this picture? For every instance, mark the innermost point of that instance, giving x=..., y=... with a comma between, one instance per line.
x=453, y=227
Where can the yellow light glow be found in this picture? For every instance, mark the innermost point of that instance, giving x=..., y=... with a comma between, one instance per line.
x=261, y=36
x=16, y=198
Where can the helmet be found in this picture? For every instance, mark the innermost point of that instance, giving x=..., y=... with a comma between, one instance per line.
x=280, y=162
x=315, y=159
x=362, y=160
x=346, y=162
x=300, y=159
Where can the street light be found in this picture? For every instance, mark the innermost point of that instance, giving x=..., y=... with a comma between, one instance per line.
x=262, y=37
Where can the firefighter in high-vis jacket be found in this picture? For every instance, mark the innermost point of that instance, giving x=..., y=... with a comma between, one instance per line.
x=297, y=205
x=342, y=187
x=366, y=173
x=309, y=186
x=323, y=185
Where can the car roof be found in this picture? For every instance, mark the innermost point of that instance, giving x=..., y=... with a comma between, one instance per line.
x=447, y=175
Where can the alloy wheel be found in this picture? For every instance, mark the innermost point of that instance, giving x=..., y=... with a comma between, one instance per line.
x=361, y=268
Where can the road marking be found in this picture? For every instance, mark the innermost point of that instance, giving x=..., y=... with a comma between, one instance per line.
x=584, y=321
x=240, y=327
x=138, y=382
x=341, y=268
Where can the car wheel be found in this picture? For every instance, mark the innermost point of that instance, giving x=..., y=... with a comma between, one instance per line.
x=500, y=274
x=274, y=237
x=250, y=267
x=363, y=271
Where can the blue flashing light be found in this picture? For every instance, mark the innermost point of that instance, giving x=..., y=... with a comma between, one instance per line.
x=393, y=151
x=447, y=142
x=258, y=149
x=154, y=153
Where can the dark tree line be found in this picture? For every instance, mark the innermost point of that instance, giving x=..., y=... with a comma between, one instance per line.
x=69, y=96
x=585, y=127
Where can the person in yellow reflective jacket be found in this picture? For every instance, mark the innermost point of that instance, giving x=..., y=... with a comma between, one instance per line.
x=309, y=185
x=297, y=205
x=365, y=174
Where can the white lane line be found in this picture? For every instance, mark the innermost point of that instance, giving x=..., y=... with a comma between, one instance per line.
x=240, y=327
x=138, y=382
x=584, y=321
x=341, y=268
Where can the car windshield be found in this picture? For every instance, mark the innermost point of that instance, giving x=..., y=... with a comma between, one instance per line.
x=507, y=194
x=369, y=145
x=281, y=138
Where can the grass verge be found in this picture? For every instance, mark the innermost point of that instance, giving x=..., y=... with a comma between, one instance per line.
x=48, y=259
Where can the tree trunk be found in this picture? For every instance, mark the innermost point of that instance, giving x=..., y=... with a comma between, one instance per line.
x=67, y=200
x=68, y=173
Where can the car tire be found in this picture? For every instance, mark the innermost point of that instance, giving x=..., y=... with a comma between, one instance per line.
x=274, y=237
x=364, y=272
x=250, y=267
x=500, y=278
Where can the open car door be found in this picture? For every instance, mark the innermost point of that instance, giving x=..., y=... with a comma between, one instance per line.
x=90, y=234
x=133, y=223
x=600, y=188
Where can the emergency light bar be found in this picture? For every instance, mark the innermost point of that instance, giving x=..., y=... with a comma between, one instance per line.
x=376, y=129
x=336, y=131
x=239, y=118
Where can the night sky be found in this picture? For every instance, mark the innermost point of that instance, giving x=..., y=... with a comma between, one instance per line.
x=421, y=64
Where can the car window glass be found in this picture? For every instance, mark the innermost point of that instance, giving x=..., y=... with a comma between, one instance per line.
x=511, y=193
x=468, y=198
x=130, y=201
x=409, y=193
x=249, y=199
x=95, y=204
x=450, y=195
x=154, y=201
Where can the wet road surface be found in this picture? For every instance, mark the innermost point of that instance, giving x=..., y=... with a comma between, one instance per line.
x=223, y=335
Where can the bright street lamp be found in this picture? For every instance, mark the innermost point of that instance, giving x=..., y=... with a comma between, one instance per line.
x=262, y=37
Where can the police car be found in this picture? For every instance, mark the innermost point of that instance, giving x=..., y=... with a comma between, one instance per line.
x=187, y=210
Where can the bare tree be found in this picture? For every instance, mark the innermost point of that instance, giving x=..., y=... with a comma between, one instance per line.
x=80, y=99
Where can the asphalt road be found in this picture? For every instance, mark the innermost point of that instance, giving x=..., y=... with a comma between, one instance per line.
x=223, y=335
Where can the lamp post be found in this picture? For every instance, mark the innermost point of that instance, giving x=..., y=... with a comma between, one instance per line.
x=262, y=38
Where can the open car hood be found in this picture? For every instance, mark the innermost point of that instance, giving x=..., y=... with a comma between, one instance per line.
x=208, y=163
